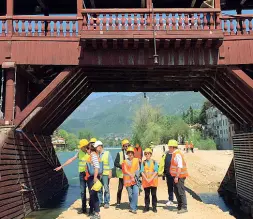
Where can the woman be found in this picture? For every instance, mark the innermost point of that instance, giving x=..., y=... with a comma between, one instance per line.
x=92, y=176
x=149, y=172
x=130, y=169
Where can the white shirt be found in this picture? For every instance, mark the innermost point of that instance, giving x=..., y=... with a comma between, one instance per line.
x=178, y=159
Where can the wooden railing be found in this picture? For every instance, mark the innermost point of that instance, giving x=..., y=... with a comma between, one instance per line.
x=3, y=26
x=143, y=19
x=237, y=25
x=45, y=26
x=128, y=20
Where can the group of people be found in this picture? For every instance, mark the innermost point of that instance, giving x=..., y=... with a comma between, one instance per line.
x=133, y=172
x=189, y=146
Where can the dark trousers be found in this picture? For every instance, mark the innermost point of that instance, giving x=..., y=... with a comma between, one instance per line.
x=192, y=150
x=151, y=190
x=170, y=186
x=179, y=190
x=83, y=186
x=94, y=201
x=120, y=189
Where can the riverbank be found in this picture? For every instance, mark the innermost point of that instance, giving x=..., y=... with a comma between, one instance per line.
x=206, y=169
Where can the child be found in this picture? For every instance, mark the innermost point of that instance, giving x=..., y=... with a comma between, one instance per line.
x=130, y=169
x=149, y=171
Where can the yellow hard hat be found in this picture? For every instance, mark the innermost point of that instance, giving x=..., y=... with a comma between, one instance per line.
x=130, y=149
x=125, y=141
x=148, y=150
x=93, y=140
x=83, y=143
x=172, y=143
x=97, y=186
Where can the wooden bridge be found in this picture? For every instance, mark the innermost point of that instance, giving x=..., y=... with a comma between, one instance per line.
x=51, y=63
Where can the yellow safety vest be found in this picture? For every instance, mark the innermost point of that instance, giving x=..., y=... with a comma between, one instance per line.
x=161, y=165
x=83, y=157
x=105, y=160
x=119, y=172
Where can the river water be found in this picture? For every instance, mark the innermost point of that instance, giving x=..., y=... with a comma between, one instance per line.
x=54, y=208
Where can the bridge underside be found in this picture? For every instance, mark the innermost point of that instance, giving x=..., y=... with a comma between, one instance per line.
x=46, y=95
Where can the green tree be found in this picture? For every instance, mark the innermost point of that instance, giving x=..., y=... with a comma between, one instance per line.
x=87, y=134
x=64, y=134
x=202, y=115
x=72, y=141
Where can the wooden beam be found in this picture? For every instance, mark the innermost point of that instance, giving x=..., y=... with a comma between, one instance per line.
x=198, y=43
x=9, y=14
x=217, y=4
x=208, y=43
x=136, y=43
x=115, y=44
x=36, y=104
x=187, y=43
x=177, y=43
x=166, y=43
x=125, y=43
x=104, y=43
x=94, y=43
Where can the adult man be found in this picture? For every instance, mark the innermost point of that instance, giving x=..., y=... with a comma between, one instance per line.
x=164, y=170
x=179, y=172
x=83, y=157
x=108, y=165
x=138, y=153
x=121, y=156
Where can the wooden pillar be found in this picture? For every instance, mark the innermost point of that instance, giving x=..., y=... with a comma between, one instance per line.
x=217, y=4
x=149, y=4
x=9, y=14
x=79, y=15
x=9, y=95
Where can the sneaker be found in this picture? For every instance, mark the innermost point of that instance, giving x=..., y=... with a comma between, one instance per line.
x=95, y=216
x=146, y=209
x=91, y=213
x=133, y=211
x=154, y=210
x=106, y=206
x=117, y=206
x=101, y=205
x=181, y=211
x=169, y=203
x=82, y=211
x=177, y=209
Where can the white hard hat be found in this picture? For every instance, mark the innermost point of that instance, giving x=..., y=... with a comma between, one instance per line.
x=98, y=143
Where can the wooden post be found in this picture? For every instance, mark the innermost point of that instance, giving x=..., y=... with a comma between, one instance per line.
x=9, y=14
x=9, y=96
x=79, y=15
x=217, y=4
x=149, y=4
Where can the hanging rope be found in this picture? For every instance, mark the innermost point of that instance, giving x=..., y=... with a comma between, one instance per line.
x=2, y=86
x=29, y=140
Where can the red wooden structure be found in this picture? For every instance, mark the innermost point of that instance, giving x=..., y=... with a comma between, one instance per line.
x=50, y=63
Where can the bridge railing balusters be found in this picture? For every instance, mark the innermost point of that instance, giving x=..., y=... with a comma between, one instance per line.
x=240, y=25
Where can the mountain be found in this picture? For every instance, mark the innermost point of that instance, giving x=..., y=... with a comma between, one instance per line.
x=113, y=113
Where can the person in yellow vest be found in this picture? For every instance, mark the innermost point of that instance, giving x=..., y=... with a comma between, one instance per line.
x=83, y=157
x=130, y=169
x=108, y=165
x=192, y=147
x=179, y=172
x=149, y=172
x=121, y=156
